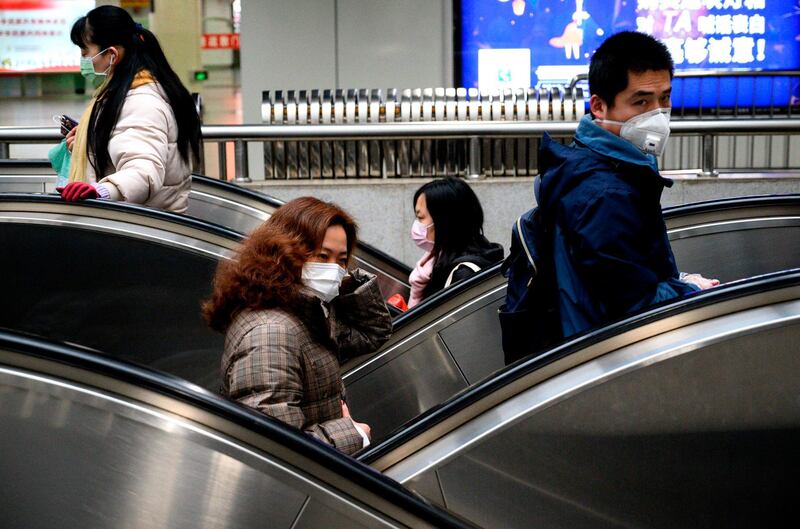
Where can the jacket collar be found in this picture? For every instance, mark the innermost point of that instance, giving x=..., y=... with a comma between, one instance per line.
x=605, y=143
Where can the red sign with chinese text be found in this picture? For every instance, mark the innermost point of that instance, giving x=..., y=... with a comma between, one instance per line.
x=220, y=41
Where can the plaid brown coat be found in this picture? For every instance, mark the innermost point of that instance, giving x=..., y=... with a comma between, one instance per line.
x=285, y=363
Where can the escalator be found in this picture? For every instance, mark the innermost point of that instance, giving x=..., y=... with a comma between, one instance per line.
x=129, y=281
x=228, y=205
x=92, y=442
x=687, y=415
x=118, y=278
x=451, y=341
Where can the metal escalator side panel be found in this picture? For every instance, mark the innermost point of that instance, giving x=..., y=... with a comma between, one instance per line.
x=127, y=444
x=421, y=369
x=631, y=436
x=710, y=316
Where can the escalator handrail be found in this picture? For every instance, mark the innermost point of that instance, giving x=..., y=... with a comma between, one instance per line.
x=272, y=429
x=669, y=213
x=25, y=163
x=731, y=203
x=268, y=200
x=444, y=295
x=235, y=189
x=526, y=366
x=133, y=209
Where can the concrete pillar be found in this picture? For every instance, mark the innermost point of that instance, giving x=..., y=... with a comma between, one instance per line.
x=178, y=27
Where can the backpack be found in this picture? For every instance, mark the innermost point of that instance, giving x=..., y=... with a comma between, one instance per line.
x=529, y=318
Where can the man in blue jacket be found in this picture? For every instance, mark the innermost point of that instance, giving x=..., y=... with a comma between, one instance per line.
x=602, y=193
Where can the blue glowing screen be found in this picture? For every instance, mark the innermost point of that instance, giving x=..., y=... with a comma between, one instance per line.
x=520, y=43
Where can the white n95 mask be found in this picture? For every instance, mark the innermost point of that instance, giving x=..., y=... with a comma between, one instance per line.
x=323, y=279
x=649, y=131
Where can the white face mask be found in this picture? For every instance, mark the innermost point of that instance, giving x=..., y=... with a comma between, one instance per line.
x=648, y=131
x=323, y=279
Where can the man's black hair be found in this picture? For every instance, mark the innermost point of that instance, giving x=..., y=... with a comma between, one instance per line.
x=627, y=51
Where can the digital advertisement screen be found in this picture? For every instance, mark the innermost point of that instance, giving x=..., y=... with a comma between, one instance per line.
x=34, y=35
x=529, y=43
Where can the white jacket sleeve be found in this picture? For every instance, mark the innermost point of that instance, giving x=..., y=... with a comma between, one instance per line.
x=138, y=148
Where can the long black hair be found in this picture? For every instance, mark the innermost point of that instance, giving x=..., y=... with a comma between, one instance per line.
x=457, y=217
x=108, y=26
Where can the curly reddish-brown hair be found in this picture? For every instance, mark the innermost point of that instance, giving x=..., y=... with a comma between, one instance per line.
x=267, y=269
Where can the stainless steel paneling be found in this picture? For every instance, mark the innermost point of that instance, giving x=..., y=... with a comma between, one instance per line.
x=738, y=249
x=86, y=459
x=675, y=444
x=399, y=390
x=226, y=212
x=334, y=514
x=145, y=309
x=473, y=340
x=691, y=427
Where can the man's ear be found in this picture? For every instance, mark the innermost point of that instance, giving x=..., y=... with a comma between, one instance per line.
x=598, y=107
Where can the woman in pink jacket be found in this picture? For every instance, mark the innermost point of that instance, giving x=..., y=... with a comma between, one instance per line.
x=138, y=137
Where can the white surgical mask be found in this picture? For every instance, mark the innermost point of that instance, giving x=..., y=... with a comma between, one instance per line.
x=419, y=234
x=323, y=279
x=649, y=131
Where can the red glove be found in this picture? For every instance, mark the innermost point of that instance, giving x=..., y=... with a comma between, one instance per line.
x=75, y=191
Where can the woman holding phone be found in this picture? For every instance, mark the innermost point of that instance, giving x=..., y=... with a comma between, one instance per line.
x=140, y=134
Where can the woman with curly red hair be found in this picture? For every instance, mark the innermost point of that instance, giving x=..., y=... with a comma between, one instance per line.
x=291, y=312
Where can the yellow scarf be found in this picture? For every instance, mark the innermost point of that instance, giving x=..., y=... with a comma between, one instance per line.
x=80, y=152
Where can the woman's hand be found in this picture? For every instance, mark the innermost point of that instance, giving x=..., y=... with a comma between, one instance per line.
x=364, y=426
x=70, y=138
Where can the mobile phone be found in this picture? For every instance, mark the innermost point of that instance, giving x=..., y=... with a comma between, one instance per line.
x=67, y=124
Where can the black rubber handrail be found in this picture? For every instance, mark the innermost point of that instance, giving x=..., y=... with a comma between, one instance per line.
x=126, y=207
x=731, y=203
x=238, y=190
x=525, y=366
x=263, y=198
x=272, y=429
x=669, y=213
x=444, y=295
x=28, y=164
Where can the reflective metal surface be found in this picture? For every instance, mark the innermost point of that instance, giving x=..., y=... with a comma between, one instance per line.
x=98, y=444
x=120, y=279
x=429, y=359
x=242, y=211
x=690, y=419
x=747, y=236
x=729, y=240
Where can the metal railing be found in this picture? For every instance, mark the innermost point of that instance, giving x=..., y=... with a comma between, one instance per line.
x=481, y=149
x=772, y=93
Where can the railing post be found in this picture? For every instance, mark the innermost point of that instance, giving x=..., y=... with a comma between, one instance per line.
x=201, y=158
x=222, y=150
x=242, y=167
x=474, y=165
x=4, y=154
x=707, y=152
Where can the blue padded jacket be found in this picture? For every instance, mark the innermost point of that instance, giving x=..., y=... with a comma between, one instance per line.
x=612, y=254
